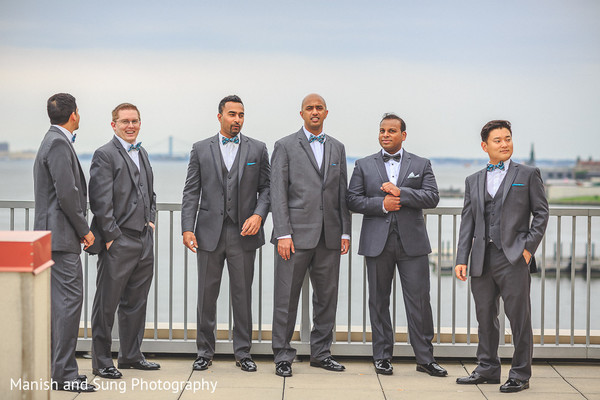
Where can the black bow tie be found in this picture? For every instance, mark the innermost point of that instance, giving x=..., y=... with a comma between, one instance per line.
x=387, y=157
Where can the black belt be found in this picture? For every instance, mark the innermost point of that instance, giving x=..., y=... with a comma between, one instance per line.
x=133, y=232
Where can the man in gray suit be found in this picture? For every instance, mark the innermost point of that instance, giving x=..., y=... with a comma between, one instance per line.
x=498, y=230
x=60, y=207
x=124, y=205
x=391, y=188
x=228, y=175
x=311, y=228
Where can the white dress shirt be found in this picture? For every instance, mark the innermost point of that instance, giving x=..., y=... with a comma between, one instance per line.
x=393, y=170
x=316, y=147
x=228, y=150
x=133, y=154
x=495, y=178
x=68, y=134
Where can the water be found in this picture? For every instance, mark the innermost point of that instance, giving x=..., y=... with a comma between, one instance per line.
x=17, y=184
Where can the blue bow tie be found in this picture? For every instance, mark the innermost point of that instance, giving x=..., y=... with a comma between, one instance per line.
x=500, y=166
x=235, y=140
x=320, y=138
x=135, y=147
x=73, y=138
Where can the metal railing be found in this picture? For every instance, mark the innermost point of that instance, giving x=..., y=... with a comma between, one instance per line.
x=171, y=306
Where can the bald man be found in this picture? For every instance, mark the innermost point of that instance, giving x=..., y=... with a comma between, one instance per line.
x=311, y=229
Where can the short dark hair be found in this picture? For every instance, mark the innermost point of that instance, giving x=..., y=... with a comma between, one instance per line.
x=394, y=116
x=60, y=107
x=495, y=124
x=231, y=98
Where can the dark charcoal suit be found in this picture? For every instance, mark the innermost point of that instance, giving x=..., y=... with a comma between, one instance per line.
x=396, y=238
x=123, y=202
x=498, y=268
x=60, y=207
x=216, y=203
x=308, y=203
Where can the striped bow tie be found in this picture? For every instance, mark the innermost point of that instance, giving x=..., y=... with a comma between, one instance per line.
x=235, y=140
x=135, y=147
x=320, y=138
x=500, y=166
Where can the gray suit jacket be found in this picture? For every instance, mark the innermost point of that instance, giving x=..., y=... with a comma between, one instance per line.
x=113, y=191
x=522, y=198
x=418, y=190
x=302, y=202
x=60, y=193
x=204, y=185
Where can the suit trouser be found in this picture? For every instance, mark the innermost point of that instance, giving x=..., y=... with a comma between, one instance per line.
x=124, y=277
x=240, y=264
x=414, y=277
x=323, y=265
x=512, y=282
x=66, y=302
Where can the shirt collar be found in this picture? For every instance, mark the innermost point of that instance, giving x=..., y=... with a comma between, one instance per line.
x=68, y=134
x=401, y=152
x=126, y=145
x=308, y=134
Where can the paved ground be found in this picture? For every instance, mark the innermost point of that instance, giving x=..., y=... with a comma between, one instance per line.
x=176, y=380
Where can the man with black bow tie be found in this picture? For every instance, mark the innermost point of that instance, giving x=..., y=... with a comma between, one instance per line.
x=496, y=231
x=391, y=188
x=124, y=205
x=224, y=207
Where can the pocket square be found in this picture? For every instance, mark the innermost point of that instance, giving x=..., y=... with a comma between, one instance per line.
x=518, y=184
x=412, y=175
x=333, y=164
x=251, y=163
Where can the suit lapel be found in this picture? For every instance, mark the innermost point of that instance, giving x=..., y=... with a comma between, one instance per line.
x=481, y=189
x=404, y=168
x=380, y=166
x=513, y=169
x=306, y=147
x=327, y=149
x=216, y=153
x=243, y=151
x=133, y=171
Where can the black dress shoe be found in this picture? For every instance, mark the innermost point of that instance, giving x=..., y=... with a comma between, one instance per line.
x=202, y=363
x=283, y=368
x=77, y=385
x=383, y=367
x=143, y=364
x=514, y=385
x=329, y=364
x=433, y=369
x=247, y=364
x=108, y=372
x=475, y=379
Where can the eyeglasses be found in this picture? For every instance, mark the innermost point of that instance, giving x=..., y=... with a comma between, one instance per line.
x=126, y=122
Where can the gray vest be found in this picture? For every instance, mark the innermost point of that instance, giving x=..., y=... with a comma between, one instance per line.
x=138, y=219
x=230, y=189
x=493, y=216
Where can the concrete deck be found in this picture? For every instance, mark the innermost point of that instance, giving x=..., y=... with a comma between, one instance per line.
x=551, y=380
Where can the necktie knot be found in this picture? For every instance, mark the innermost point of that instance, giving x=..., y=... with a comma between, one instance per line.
x=319, y=138
x=387, y=157
x=491, y=167
x=135, y=147
x=73, y=138
x=234, y=140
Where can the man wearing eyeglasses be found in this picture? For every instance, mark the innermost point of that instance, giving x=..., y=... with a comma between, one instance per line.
x=124, y=206
x=225, y=203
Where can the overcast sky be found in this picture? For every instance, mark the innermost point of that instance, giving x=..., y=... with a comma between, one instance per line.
x=446, y=67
